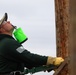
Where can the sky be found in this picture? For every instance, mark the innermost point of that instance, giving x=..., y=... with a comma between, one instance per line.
x=37, y=19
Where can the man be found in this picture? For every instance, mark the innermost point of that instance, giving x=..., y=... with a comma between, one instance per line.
x=12, y=59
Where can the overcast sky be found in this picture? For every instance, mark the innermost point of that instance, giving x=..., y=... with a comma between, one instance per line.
x=37, y=19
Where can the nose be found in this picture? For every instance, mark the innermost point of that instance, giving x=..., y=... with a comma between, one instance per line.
x=8, y=21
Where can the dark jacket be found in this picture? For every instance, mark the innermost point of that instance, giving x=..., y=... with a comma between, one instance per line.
x=14, y=57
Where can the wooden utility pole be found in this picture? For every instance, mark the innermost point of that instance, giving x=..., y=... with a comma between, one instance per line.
x=72, y=46
x=62, y=26
x=66, y=34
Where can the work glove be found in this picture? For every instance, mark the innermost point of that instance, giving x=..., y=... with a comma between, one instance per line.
x=54, y=61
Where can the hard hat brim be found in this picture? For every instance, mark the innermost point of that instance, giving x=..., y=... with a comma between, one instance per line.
x=4, y=18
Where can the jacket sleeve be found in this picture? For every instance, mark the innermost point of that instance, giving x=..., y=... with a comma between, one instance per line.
x=19, y=53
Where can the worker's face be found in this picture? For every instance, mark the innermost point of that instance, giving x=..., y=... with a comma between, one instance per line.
x=7, y=26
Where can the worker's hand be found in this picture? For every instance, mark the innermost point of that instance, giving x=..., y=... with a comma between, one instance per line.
x=58, y=61
x=55, y=60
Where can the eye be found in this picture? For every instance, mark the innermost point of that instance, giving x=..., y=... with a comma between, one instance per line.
x=4, y=22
